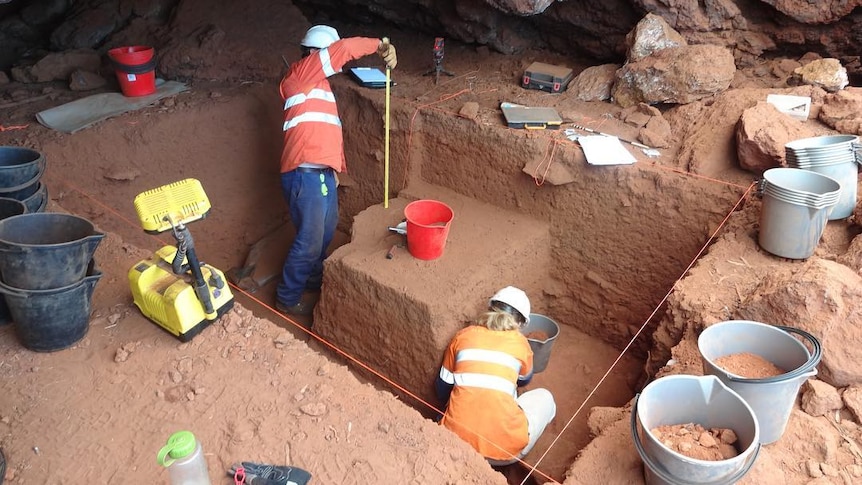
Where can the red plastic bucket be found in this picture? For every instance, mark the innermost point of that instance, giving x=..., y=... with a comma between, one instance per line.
x=428, y=224
x=135, y=68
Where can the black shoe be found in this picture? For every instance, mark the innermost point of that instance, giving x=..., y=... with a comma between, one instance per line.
x=302, y=309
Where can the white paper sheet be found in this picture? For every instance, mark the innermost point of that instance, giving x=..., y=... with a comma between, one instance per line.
x=605, y=150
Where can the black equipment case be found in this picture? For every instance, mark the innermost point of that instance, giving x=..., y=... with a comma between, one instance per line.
x=547, y=77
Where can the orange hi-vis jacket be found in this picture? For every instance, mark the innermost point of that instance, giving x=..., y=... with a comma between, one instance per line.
x=484, y=366
x=312, y=128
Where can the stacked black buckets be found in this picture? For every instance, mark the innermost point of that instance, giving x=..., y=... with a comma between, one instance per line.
x=47, y=271
x=21, y=172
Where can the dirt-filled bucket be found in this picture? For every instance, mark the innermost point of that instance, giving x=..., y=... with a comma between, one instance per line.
x=703, y=400
x=8, y=208
x=541, y=332
x=428, y=224
x=796, y=207
x=135, y=67
x=771, y=398
x=45, y=250
x=49, y=320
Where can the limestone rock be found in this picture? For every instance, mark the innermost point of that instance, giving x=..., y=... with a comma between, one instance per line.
x=594, y=83
x=81, y=80
x=675, y=75
x=761, y=134
x=657, y=133
x=58, y=66
x=828, y=74
x=853, y=400
x=470, y=110
x=819, y=398
x=852, y=258
x=650, y=35
x=521, y=7
x=820, y=297
x=843, y=111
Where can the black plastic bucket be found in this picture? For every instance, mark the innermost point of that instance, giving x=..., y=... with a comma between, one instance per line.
x=49, y=320
x=22, y=190
x=8, y=208
x=46, y=250
x=19, y=166
x=39, y=200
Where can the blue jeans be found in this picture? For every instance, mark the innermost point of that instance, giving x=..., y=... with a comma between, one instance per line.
x=313, y=203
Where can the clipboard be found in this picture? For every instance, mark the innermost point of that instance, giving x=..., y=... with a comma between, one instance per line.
x=531, y=118
x=370, y=77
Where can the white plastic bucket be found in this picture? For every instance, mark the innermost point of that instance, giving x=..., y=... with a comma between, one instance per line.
x=771, y=398
x=796, y=207
x=703, y=400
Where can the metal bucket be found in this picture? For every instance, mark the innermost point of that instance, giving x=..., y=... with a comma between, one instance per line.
x=703, y=400
x=771, y=398
x=795, y=210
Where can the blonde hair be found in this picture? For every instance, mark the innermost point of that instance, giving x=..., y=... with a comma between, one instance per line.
x=499, y=320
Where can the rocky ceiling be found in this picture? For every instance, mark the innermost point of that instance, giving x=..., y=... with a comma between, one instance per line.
x=593, y=29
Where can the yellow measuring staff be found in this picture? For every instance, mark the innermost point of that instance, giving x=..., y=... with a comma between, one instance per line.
x=386, y=145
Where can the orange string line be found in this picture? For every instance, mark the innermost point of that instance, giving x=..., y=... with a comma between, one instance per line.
x=296, y=324
x=643, y=326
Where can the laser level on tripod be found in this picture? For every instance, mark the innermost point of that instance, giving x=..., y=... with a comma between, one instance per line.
x=173, y=288
x=439, y=44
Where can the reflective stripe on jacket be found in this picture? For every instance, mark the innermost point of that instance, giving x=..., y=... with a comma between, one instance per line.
x=484, y=366
x=312, y=128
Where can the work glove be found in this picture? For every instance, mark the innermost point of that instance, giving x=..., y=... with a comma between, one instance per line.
x=387, y=52
x=250, y=473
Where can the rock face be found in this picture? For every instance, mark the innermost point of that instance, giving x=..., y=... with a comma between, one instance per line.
x=594, y=28
x=675, y=75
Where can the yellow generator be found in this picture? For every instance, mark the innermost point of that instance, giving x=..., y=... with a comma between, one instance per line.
x=173, y=288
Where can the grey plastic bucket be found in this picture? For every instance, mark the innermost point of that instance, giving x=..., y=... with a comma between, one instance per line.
x=541, y=348
x=795, y=210
x=55, y=319
x=771, y=398
x=845, y=171
x=8, y=208
x=703, y=400
x=45, y=250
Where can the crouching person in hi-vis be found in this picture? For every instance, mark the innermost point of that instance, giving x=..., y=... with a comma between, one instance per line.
x=483, y=367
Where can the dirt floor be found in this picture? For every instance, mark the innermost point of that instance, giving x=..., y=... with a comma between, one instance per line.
x=256, y=386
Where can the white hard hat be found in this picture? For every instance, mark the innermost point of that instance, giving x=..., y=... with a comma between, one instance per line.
x=515, y=298
x=320, y=37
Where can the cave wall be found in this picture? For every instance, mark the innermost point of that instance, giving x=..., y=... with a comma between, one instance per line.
x=594, y=29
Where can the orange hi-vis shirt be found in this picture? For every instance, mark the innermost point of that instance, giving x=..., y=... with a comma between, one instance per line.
x=484, y=366
x=312, y=128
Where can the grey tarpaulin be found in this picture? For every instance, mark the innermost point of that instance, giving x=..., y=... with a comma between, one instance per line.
x=81, y=113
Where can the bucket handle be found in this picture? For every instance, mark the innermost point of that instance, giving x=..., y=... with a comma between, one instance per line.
x=800, y=371
x=659, y=470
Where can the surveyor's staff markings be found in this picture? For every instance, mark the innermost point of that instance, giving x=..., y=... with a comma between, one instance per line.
x=643, y=326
